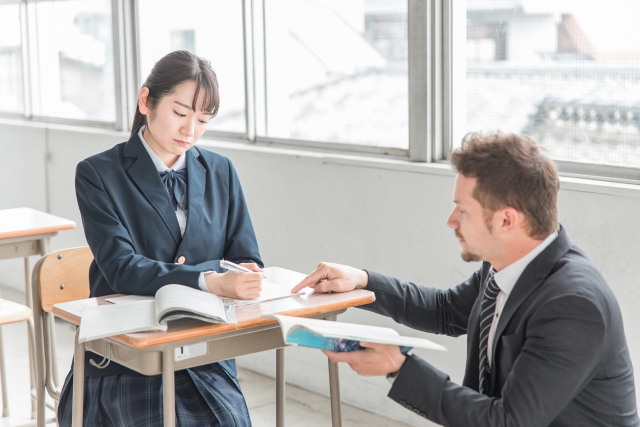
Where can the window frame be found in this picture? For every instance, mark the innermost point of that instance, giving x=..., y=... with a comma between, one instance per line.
x=432, y=73
x=253, y=11
x=27, y=45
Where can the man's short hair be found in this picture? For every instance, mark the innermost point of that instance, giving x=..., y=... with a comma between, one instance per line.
x=511, y=171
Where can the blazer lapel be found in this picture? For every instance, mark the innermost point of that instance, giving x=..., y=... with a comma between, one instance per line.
x=531, y=278
x=144, y=174
x=196, y=184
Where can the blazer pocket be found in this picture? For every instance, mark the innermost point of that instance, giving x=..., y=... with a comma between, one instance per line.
x=509, y=348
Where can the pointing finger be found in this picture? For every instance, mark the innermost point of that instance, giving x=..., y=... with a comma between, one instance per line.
x=312, y=279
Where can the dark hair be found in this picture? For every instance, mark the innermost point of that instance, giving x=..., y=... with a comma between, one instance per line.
x=172, y=70
x=511, y=171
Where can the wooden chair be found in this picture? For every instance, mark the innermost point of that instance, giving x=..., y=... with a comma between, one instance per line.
x=59, y=276
x=10, y=312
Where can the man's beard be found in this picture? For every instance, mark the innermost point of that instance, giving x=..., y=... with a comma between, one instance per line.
x=467, y=256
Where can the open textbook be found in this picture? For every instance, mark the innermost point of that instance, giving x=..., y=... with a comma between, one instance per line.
x=135, y=313
x=277, y=283
x=337, y=336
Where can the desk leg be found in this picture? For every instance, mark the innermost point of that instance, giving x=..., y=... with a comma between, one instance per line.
x=334, y=389
x=280, y=387
x=3, y=378
x=44, y=246
x=78, y=382
x=168, y=388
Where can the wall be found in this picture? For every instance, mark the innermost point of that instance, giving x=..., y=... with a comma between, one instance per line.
x=381, y=214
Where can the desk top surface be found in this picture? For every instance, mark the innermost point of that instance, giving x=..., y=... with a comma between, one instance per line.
x=22, y=222
x=248, y=316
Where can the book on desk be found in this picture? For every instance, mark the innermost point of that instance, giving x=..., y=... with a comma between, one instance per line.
x=135, y=313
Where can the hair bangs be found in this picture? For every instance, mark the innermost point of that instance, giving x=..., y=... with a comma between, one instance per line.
x=210, y=96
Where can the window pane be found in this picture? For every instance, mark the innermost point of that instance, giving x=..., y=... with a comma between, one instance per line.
x=212, y=30
x=10, y=59
x=336, y=71
x=565, y=73
x=72, y=59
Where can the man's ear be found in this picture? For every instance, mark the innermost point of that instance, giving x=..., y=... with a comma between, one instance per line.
x=511, y=219
x=142, y=100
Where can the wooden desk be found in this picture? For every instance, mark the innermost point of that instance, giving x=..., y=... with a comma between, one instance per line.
x=25, y=232
x=153, y=353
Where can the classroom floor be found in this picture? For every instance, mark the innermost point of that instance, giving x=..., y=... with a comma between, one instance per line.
x=303, y=409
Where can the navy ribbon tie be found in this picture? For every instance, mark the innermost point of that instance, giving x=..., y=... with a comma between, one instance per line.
x=176, y=184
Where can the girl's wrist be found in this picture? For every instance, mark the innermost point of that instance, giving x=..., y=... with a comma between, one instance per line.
x=213, y=283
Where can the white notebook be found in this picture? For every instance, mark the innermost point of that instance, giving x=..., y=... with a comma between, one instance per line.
x=277, y=283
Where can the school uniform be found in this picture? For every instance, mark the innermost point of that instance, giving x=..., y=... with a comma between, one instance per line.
x=142, y=242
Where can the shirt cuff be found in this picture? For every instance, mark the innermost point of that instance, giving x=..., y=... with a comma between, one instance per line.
x=201, y=283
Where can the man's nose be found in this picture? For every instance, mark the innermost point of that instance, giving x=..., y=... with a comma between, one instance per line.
x=452, y=221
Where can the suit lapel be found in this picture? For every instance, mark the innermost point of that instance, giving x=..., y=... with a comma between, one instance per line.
x=196, y=184
x=531, y=278
x=144, y=174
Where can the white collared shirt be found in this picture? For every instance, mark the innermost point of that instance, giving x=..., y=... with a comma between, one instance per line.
x=181, y=215
x=506, y=279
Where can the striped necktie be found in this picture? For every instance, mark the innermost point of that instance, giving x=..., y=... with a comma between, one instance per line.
x=176, y=184
x=486, y=319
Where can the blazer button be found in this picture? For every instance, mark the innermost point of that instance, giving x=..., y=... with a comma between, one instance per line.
x=181, y=259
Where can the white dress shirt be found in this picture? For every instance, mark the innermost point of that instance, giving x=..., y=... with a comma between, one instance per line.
x=181, y=215
x=506, y=279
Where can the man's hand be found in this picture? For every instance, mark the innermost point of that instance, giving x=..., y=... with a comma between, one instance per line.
x=335, y=278
x=375, y=359
x=234, y=284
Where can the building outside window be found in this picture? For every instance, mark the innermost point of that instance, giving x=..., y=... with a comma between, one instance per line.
x=334, y=71
x=566, y=73
x=72, y=71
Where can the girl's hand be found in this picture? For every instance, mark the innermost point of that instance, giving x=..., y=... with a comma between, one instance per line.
x=251, y=266
x=237, y=285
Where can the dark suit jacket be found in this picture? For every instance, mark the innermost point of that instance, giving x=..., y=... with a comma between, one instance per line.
x=133, y=231
x=560, y=353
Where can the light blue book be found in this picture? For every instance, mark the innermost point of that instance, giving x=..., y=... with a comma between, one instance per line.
x=337, y=336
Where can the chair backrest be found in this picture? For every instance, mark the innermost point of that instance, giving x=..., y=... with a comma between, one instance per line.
x=62, y=276
x=59, y=276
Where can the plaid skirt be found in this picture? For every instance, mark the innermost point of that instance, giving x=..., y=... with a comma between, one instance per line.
x=205, y=396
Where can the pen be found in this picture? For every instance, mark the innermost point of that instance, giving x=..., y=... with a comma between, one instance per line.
x=228, y=265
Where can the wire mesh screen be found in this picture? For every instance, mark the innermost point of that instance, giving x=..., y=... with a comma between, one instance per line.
x=566, y=73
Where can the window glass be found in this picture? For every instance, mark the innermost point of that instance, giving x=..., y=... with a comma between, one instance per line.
x=336, y=71
x=11, y=90
x=72, y=59
x=566, y=73
x=210, y=29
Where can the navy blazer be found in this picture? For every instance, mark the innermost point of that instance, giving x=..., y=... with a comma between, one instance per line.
x=560, y=353
x=132, y=229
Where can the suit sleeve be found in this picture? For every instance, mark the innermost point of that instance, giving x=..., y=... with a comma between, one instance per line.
x=562, y=348
x=438, y=311
x=112, y=246
x=241, y=244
